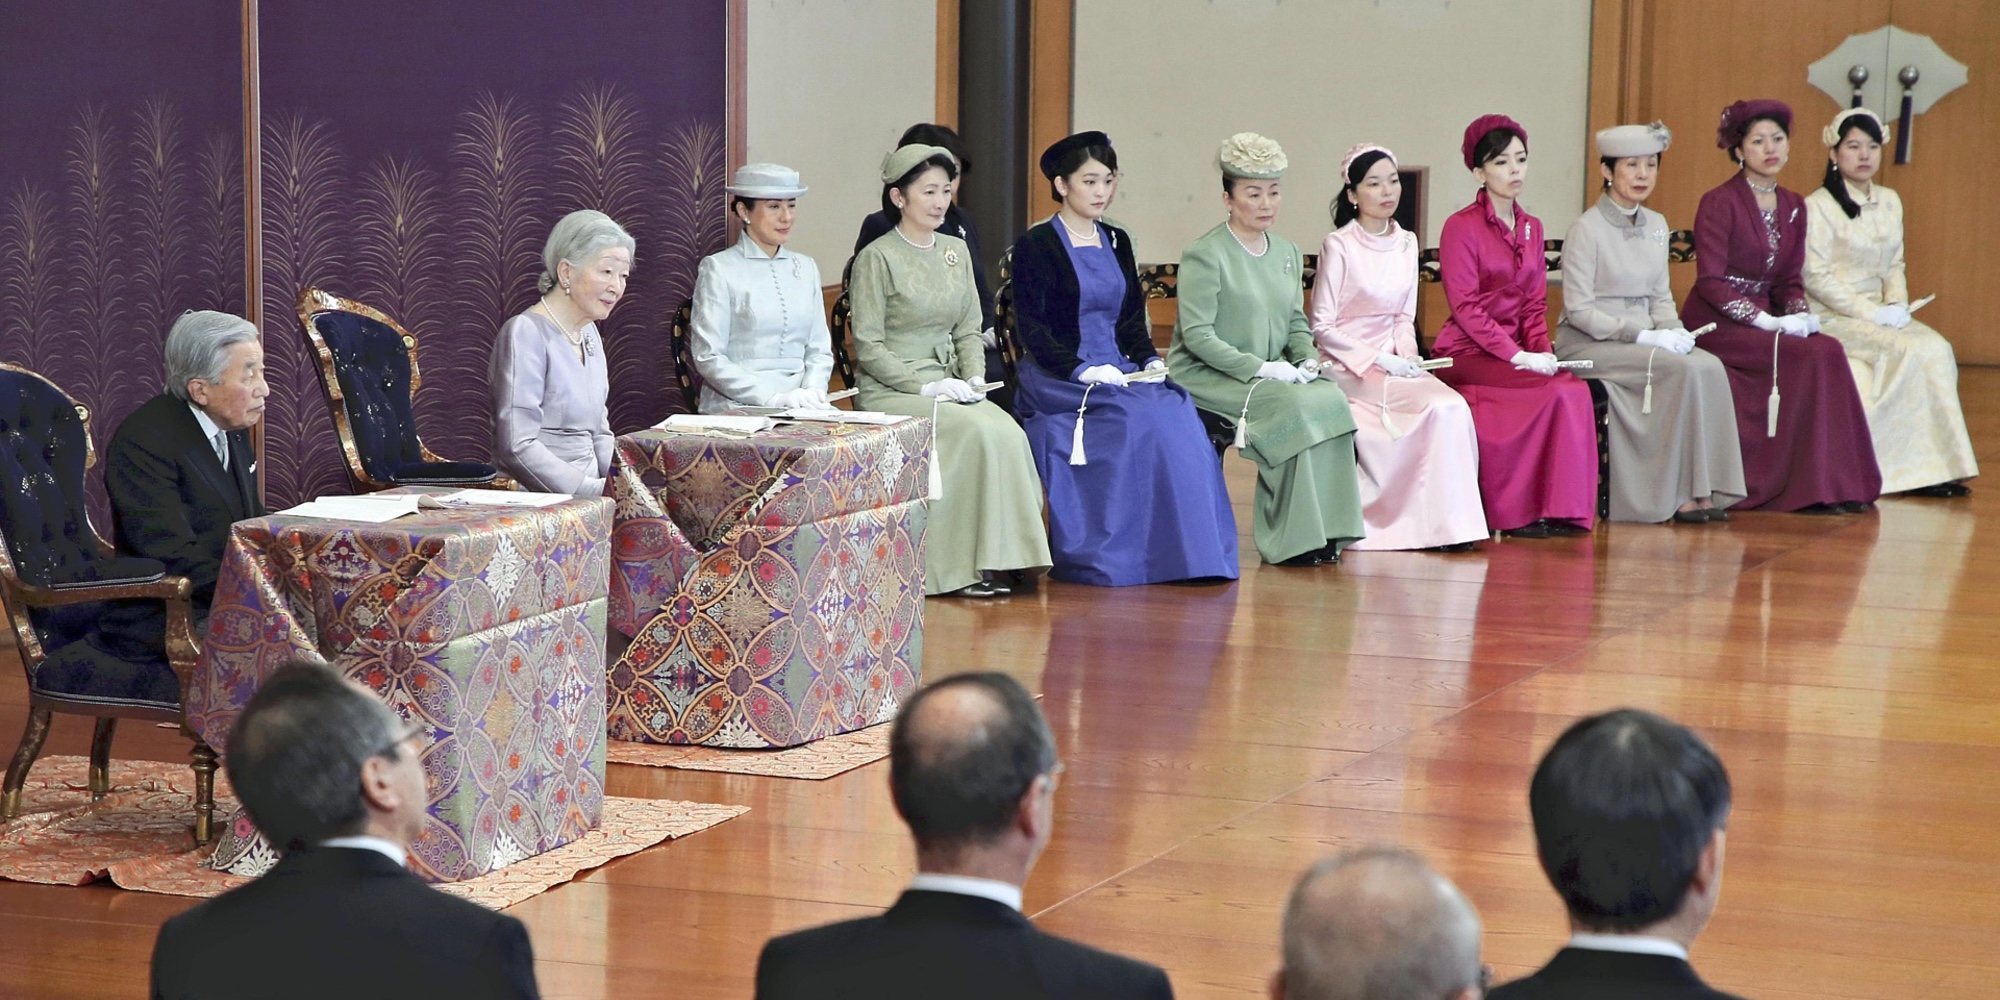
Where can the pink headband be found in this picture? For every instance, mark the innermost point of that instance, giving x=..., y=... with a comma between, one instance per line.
x=1354, y=153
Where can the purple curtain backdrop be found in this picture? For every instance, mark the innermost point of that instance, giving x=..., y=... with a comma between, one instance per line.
x=121, y=192
x=415, y=157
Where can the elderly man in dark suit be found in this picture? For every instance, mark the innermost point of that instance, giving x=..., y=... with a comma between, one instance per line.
x=972, y=769
x=180, y=469
x=1378, y=924
x=332, y=777
x=1629, y=813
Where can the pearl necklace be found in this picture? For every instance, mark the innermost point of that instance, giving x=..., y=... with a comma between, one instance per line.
x=578, y=340
x=1760, y=190
x=1246, y=246
x=1088, y=236
x=914, y=243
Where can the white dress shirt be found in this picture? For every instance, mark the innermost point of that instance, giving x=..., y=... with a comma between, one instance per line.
x=208, y=433
x=362, y=842
x=1631, y=944
x=965, y=885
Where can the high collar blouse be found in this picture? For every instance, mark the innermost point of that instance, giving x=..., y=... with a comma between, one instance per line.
x=1854, y=265
x=758, y=326
x=1496, y=281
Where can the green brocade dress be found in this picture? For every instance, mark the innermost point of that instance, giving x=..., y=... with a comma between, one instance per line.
x=916, y=320
x=1238, y=311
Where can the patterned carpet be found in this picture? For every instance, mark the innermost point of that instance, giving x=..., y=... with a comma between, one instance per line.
x=813, y=761
x=138, y=836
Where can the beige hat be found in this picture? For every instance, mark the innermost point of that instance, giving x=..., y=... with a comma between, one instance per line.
x=1621, y=141
x=765, y=180
x=1251, y=157
x=899, y=162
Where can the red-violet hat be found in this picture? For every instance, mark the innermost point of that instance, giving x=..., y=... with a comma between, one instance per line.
x=1481, y=126
x=1737, y=117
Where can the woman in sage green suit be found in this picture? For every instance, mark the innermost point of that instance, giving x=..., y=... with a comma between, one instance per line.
x=916, y=330
x=1243, y=349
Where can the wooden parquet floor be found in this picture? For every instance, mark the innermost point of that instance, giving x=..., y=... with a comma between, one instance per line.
x=1219, y=739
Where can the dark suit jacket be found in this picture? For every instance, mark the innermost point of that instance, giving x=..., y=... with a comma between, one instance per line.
x=171, y=499
x=942, y=944
x=341, y=922
x=1046, y=301
x=1588, y=974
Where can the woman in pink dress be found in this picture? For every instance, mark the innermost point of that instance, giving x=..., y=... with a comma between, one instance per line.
x=1414, y=442
x=1537, y=433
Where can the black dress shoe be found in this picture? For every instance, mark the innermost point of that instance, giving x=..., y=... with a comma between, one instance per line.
x=1565, y=529
x=1303, y=559
x=1695, y=516
x=980, y=590
x=1854, y=506
x=1458, y=547
x=1533, y=529
x=1715, y=513
x=1942, y=491
x=1817, y=509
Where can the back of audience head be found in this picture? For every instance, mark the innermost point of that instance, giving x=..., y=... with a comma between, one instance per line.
x=1378, y=924
x=1629, y=811
x=972, y=767
x=315, y=756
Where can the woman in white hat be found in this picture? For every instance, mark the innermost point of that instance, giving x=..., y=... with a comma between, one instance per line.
x=918, y=352
x=1905, y=370
x=760, y=336
x=1672, y=431
x=1243, y=349
x=1414, y=442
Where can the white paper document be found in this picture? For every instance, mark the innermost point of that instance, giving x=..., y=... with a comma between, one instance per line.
x=715, y=423
x=496, y=498
x=373, y=508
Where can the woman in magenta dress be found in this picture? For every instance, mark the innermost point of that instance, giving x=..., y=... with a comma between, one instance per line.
x=1413, y=441
x=1804, y=433
x=1537, y=432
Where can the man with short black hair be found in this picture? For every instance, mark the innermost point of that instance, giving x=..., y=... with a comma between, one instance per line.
x=1378, y=924
x=331, y=777
x=972, y=769
x=1629, y=811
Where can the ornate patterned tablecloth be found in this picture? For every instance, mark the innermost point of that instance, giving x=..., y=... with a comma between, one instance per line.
x=772, y=586
x=484, y=625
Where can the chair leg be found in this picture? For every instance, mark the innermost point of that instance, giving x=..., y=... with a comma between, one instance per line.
x=100, y=758
x=24, y=758
x=203, y=758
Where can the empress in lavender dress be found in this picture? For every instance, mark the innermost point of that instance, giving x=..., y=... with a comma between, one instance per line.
x=1147, y=504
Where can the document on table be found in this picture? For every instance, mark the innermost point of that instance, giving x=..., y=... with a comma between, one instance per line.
x=371, y=508
x=846, y=417
x=724, y=424
x=495, y=498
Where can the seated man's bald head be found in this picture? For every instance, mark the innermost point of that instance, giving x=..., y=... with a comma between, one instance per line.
x=962, y=754
x=1378, y=924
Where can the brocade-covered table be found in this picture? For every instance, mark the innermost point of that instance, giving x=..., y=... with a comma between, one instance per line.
x=484, y=625
x=771, y=587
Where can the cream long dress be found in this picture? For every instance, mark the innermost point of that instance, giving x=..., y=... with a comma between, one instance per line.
x=916, y=320
x=1908, y=378
x=1414, y=445
x=1684, y=446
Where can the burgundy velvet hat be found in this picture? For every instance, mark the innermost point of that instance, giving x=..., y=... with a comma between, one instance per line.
x=1737, y=117
x=1484, y=124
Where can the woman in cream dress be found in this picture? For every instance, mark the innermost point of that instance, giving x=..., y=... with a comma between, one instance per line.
x=1905, y=370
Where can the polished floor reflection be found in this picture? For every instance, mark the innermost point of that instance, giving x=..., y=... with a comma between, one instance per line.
x=1220, y=738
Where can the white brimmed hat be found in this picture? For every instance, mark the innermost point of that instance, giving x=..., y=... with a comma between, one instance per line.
x=765, y=180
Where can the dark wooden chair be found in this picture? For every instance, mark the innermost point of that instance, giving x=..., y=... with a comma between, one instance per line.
x=57, y=577
x=681, y=340
x=368, y=374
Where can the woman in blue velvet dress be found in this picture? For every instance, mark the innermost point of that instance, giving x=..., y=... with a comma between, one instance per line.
x=1135, y=491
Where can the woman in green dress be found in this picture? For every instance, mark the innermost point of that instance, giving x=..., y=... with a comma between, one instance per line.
x=1243, y=348
x=916, y=343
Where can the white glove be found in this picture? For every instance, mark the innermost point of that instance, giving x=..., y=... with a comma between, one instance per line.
x=1796, y=325
x=989, y=338
x=1766, y=321
x=955, y=389
x=1397, y=365
x=802, y=398
x=1101, y=375
x=1677, y=341
x=1812, y=322
x=1539, y=363
x=1308, y=371
x=1280, y=371
x=1155, y=364
x=1893, y=314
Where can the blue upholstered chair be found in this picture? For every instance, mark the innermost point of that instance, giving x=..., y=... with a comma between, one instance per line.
x=368, y=370
x=60, y=582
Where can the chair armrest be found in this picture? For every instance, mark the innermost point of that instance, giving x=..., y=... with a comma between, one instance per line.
x=165, y=588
